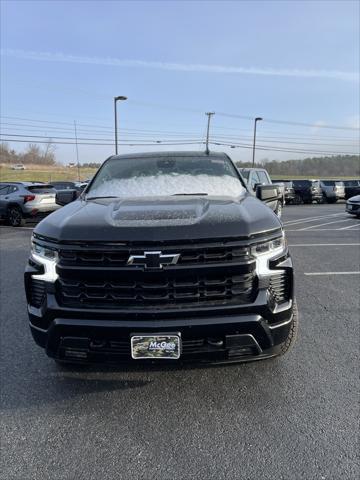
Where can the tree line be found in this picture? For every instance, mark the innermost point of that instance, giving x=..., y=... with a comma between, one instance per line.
x=334, y=166
x=34, y=154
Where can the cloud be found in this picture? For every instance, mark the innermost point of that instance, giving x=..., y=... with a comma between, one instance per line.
x=181, y=67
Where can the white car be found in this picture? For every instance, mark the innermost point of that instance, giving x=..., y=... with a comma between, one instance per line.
x=18, y=166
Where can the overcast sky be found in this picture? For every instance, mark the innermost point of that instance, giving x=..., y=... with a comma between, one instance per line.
x=290, y=61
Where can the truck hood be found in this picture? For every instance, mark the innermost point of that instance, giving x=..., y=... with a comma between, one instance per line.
x=157, y=219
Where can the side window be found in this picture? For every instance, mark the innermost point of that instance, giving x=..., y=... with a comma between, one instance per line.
x=12, y=189
x=263, y=177
x=254, y=179
x=4, y=189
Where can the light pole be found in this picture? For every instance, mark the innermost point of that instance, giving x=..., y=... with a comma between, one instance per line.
x=209, y=114
x=116, y=127
x=257, y=119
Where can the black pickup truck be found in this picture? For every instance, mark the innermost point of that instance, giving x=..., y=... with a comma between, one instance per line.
x=165, y=257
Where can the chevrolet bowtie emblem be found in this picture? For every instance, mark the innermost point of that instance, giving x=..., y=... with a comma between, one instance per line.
x=153, y=260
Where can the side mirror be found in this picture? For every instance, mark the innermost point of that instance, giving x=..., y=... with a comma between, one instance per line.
x=267, y=193
x=66, y=196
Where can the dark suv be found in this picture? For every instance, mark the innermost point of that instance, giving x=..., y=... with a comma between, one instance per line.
x=165, y=257
x=307, y=191
x=352, y=188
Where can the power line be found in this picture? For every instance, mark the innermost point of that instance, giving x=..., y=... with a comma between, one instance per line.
x=280, y=149
x=161, y=143
x=226, y=139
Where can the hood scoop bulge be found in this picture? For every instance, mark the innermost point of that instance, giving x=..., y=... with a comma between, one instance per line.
x=156, y=212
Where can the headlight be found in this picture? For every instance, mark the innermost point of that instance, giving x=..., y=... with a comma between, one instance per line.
x=47, y=257
x=263, y=252
x=273, y=247
x=44, y=252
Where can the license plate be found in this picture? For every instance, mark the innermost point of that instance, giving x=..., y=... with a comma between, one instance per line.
x=155, y=347
x=350, y=207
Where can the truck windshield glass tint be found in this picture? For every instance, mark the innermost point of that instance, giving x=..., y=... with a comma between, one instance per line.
x=164, y=176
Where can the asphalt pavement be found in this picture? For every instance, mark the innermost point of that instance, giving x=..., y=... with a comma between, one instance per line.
x=290, y=418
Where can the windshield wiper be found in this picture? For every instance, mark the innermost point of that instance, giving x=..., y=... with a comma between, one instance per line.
x=195, y=193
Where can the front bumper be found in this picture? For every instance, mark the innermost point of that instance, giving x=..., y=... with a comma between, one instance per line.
x=353, y=208
x=252, y=332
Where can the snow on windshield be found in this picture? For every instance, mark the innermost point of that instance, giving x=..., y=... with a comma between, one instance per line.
x=169, y=184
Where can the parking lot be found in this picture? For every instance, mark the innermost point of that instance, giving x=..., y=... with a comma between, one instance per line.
x=289, y=418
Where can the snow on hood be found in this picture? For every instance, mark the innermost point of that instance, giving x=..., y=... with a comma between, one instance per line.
x=165, y=185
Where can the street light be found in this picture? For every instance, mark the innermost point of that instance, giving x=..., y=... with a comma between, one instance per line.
x=116, y=128
x=257, y=119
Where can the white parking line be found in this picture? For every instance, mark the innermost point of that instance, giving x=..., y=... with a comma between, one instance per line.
x=322, y=224
x=311, y=219
x=332, y=273
x=325, y=245
x=350, y=226
x=18, y=228
x=323, y=230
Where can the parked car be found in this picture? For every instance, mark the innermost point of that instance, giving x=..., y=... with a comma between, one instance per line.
x=259, y=176
x=18, y=166
x=66, y=191
x=168, y=257
x=24, y=200
x=307, y=191
x=333, y=190
x=352, y=188
x=353, y=205
x=289, y=192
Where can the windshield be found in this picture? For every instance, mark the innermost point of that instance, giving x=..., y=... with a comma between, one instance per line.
x=163, y=176
x=245, y=174
x=332, y=183
x=302, y=183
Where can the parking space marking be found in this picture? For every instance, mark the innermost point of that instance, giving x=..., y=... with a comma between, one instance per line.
x=331, y=273
x=323, y=230
x=311, y=219
x=350, y=226
x=325, y=245
x=323, y=224
x=18, y=228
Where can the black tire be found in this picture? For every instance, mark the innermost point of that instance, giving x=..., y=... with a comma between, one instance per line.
x=291, y=339
x=278, y=209
x=15, y=217
x=332, y=200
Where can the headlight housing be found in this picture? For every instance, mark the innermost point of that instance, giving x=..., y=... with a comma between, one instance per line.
x=47, y=257
x=264, y=252
x=44, y=252
x=272, y=248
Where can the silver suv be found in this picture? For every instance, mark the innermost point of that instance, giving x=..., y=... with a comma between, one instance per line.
x=332, y=190
x=22, y=200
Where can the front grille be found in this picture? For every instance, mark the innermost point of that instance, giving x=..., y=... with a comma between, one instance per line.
x=279, y=286
x=37, y=292
x=158, y=290
x=189, y=255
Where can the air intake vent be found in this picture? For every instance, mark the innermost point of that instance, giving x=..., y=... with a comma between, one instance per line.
x=280, y=286
x=37, y=292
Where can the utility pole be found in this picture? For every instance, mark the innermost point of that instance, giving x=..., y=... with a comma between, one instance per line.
x=77, y=151
x=116, y=122
x=257, y=119
x=209, y=114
